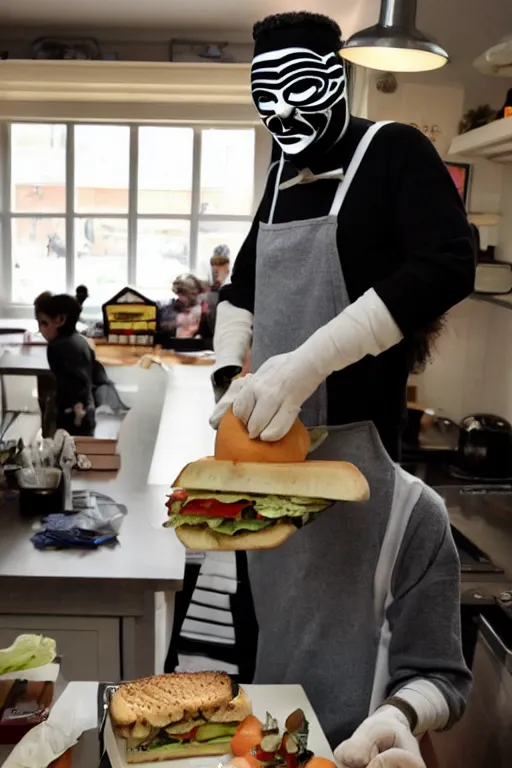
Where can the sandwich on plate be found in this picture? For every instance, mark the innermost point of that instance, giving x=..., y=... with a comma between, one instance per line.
x=184, y=714
x=231, y=502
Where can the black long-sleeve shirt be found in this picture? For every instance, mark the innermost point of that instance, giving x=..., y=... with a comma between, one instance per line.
x=403, y=231
x=72, y=362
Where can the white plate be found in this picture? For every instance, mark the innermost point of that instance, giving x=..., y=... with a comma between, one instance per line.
x=279, y=700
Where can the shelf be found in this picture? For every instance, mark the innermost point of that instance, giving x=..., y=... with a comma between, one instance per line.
x=499, y=300
x=484, y=219
x=124, y=82
x=493, y=141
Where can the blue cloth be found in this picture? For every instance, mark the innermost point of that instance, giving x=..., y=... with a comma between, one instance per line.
x=61, y=537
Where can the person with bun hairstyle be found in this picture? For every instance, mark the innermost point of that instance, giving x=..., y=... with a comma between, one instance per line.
x=71, y=360
x=358, y=248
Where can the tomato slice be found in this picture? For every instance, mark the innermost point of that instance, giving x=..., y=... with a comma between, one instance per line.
x=214, y=508
x=185, y=736
x=178, y=495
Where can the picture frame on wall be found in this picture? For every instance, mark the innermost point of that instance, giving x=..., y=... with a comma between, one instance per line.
x=461, y=175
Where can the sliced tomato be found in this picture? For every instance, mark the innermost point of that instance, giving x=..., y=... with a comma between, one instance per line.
x=178, y=495
x=266, y=757
x=214, y=508
x=184, y=736
x=248, y=736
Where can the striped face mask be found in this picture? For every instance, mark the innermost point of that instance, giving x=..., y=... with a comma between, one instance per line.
x=301, y=97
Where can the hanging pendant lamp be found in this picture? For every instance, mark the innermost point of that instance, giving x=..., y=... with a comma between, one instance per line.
x=394, y=44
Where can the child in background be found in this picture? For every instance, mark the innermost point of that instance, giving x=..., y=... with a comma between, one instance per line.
x=71, y=361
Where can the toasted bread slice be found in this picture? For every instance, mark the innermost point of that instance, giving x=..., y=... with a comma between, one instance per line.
x=164, y=699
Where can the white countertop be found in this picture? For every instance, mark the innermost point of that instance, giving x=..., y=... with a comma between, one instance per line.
x=167, y=428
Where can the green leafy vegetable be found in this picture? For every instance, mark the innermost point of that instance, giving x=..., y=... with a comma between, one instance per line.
x=277, y=506
x=230, y=527
x=27, y=652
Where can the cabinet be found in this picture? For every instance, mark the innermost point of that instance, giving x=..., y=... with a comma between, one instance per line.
x=88, y=646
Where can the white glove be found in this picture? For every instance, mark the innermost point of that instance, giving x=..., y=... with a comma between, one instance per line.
x=232, y=337
x=227, y=400
x=271, y=400
x=231, y=342
x=383, y=740
x=236, y=389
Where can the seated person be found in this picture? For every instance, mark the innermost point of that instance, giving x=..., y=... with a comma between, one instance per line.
x=220, y=266
x=71, y=360
x=184, y=317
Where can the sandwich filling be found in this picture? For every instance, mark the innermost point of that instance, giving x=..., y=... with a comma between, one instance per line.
x=234, y=513
x=199, y=732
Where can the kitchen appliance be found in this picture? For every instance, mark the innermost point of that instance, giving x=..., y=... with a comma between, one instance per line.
x=485, y=449
x=483, y=738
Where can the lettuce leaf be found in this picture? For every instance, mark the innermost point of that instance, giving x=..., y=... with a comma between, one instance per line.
x=219, y=524
x=230, y=527
x=27, y=652
x=175, y=521
x=278, y=506
x=267, y=506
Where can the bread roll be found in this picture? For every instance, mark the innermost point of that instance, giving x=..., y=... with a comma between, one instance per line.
x=204, y=539
x=331, y=480
x=233, y=443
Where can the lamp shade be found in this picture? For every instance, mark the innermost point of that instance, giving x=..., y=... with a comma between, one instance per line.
x=394, y=44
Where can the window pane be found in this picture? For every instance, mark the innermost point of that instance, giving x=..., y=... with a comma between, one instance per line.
x=214, y=233
x=227, y=171
x=165, y=170
x=101, y=261
x=38, y=168
x=102, y=168
x=162, y=254
x=38, y=257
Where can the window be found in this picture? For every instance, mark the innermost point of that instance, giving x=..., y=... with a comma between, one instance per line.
x=107, y=205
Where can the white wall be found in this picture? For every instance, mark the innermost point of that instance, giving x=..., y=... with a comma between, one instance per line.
x=472, y=367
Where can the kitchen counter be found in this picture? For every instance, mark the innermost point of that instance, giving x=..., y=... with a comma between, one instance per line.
x=115, y=603
x=483, y=514
x=279, y=700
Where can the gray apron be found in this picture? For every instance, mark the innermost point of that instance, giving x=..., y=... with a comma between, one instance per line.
x=325, y=625
x=299, y=281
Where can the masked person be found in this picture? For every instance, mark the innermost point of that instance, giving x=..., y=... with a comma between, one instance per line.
x=359, y=246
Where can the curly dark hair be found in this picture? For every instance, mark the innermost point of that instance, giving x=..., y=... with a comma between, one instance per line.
x=296, y=20
x=420, y=346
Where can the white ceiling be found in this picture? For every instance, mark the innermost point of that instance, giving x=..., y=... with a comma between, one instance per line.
x=464, y=27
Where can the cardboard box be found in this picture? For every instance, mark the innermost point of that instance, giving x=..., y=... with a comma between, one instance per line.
x=95, y=446
x=105, y=463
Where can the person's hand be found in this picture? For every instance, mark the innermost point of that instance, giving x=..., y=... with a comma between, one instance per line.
x=227, y=400
x=383, y=740
x=271, y=399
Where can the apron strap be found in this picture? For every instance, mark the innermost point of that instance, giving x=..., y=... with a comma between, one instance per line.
x=354, y=166
x=276, y=188
x=407, y=492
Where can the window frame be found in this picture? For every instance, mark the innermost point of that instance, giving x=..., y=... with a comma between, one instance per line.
x=70, y=215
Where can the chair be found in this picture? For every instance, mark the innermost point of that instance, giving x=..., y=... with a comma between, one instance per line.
x=214, y=615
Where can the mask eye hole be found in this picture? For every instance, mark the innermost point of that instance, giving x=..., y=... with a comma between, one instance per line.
x=300, y=97
x=265, y=102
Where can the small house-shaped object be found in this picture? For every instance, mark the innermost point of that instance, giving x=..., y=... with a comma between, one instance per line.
x=130, y=318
